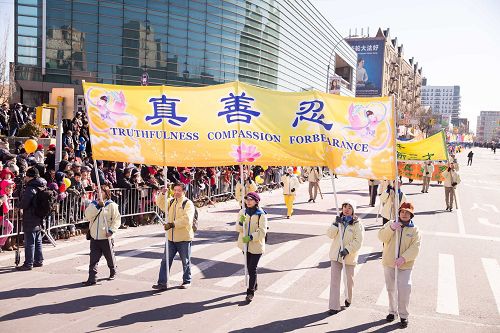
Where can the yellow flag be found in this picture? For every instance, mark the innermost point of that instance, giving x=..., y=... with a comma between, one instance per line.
x=432, y=148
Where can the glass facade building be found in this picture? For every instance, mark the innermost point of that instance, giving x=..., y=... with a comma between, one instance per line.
x=278, y=44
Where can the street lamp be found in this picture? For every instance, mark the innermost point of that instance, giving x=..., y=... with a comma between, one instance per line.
x=330, y=60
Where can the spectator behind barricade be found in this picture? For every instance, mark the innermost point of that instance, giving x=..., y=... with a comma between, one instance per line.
x=109, y=169
x=22, y=161
x=39, y=154
x=6, y=174
x=6, y=190
x=15, y=119
x=76, y=184
x=123, y=182
x=4, y=119
x=186, y=177
x=102, y=178
x=68, y=142
x=64, y=166
x=173, y=175
x=4, y=148
x=50, y=157
x=31, y=222
x=86, y=179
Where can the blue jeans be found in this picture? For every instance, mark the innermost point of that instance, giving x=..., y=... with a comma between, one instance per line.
x=184, y=249
x=32, y=247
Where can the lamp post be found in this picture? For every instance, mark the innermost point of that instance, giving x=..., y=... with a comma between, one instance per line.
x=330, y=60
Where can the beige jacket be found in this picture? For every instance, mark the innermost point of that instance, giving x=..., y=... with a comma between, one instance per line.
x=387, y=201
x=250, y=186
x=107, y=218
x=289, y=183
x=451, y=177
x=353, y=239
x=181, y=218
x=254, y=226
x=428, y=170
x=409, y=245
x=313, y=175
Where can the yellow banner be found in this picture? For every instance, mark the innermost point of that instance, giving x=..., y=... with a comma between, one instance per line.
x=432, y=148
x=237, y=123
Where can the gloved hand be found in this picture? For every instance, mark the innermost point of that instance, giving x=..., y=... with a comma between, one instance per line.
x=338, y=219
x=395, y=226
x=292, y=190
x=246, y=239
x=168, y=226
x=344, y=253
x=454, y=184
x=399, y=262
x=282, y=184
x=242, y=219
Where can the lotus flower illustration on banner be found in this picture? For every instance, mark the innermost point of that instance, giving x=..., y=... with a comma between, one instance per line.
x=244, y=153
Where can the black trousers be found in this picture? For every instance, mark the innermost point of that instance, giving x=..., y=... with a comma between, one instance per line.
x=98, y=248
x=252, y=262
x=384, y=220
x=373, y=194
x=469, y=161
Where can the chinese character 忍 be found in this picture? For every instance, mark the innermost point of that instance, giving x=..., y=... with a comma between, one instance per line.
x=315, y=107
x=238, y=108
x=164, y=108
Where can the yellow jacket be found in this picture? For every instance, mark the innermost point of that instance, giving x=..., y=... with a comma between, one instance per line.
x=450, y=177
x=313, y=174
x=387, y=201
x=428, y=170
x=353, y=239
x=256, y=226
x=182, y=218
x=250, y=186
x=109, y=216
x=290, y=182
x=409, y=245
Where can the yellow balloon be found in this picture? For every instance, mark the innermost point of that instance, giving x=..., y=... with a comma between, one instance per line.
x=259, y=180
x=67, y=182
x=264, y=167
x=30, y=146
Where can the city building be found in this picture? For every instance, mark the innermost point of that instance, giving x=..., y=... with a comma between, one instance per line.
x=382, y=70
x=444, y=100
x=488, y=126
x=282, y=45
x=462, y=124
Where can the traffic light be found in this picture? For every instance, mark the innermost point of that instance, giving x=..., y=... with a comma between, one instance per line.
x=46, y=115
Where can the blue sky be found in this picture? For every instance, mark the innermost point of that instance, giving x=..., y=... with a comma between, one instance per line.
x=455, y=42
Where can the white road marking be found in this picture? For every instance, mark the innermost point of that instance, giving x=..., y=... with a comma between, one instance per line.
x=300, y=270
x=486, y=222
x=492, y=270
x=457, y=235
x=447, y=296
x=326, y=293
x=383, y=297
x=267, y=258
x=460, y=217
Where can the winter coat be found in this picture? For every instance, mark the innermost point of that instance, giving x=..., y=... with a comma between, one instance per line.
x=39, y=156
x=250, y=186
x=182, y=218
x=409, y=245
x=313, y=175
x=428, y=170
x=27, y=203
x=103, y=219
x=254, y=225
x=352, y=237
x=387, y=201
x=290, y=182
x=451, y=177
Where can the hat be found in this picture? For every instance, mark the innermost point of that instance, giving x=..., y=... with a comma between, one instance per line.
x=52, y=146
x=253, y=195
x=407, y=206
x=289, y=169
x=39, y=147
x=85, y=168
x=32, y=172
x=351, y=203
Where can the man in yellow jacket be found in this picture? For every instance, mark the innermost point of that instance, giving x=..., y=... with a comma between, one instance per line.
x=180, y=216
x=387, y=201
x=239, y=192
x=451, y=180
x=409, y=246
x=290, y=184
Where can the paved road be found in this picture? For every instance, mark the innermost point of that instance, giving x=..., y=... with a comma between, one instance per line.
x=455, y=281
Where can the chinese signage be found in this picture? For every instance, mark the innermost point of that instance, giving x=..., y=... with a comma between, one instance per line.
x=432, y=148
x=369, y=71
x=416, y=170
x=237, y=123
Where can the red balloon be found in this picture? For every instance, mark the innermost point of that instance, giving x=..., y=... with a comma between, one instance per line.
x=62, y=188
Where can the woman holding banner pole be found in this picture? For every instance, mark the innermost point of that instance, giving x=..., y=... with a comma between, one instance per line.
x=347, y=237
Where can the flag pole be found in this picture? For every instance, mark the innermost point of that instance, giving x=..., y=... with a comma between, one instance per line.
x=245, y=247
x=165, y=221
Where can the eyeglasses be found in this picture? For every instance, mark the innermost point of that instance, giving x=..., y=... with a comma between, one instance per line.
x=249, y=198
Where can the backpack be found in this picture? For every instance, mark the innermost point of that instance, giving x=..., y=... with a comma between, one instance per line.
x=45, y=202
x=195, y=218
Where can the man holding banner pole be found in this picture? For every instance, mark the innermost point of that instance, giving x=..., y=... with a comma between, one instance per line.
x=179, y=213
x=451, y=180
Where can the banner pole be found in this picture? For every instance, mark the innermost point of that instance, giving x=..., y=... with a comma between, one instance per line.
x=334, y=192
x=245, y=247
x=396, y=199
x=165, y=221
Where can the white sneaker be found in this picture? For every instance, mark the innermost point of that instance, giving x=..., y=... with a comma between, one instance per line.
x=185, y=286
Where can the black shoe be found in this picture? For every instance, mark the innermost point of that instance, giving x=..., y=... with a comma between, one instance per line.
x=333, y=312
x=347, y=304
x=404, y=323
x=160, y=286
x=451, y=209
x=288, y=216
x=88, y=283
x=422, y=191
x=123, y=226
x=38, y=264
x=390, y=317
x=310, y=200
x=23, y=268
x=112, y=276
x=249, y=298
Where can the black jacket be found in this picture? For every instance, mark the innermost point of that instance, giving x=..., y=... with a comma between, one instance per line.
x=27, y=203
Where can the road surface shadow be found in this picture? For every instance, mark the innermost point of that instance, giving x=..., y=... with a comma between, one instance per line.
x=169, y=312
x=29, y=292
x=288, y=325
x=366, y=326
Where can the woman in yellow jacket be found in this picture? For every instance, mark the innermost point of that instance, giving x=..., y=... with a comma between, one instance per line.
x=250, y=186
x=252, y=228
x=409, y=247
x=104, y=219
x=349, y=227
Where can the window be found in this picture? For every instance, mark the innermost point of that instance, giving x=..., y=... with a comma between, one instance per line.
x=27, y=60
x=27, y=31
x=24, y=10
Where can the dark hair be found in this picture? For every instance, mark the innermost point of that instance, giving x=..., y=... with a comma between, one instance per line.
x=76, y=174
x=106, y=190
x=181, y=185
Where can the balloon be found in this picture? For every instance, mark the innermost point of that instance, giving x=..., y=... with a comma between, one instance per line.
x=259, y=180
x=62, y=188
x=67, y=182
x=30, y=146
x=264, y=167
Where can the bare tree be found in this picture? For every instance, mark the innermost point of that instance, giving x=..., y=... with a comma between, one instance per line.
x=425, y=119
x=4, y=72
